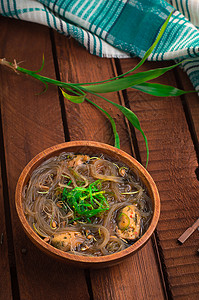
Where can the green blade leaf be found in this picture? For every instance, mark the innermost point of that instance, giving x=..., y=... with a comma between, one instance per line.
x=75, y=99
x=40, y=77
x=160, y=90
x=148, y=52
x=133, y=119
x=126, y=82
x=116, y=136
x=44, y=90
x=42, y=66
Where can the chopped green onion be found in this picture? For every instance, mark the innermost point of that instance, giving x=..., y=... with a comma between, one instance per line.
x=86, y=202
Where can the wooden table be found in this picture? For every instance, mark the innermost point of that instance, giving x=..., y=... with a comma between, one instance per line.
x=30, y=123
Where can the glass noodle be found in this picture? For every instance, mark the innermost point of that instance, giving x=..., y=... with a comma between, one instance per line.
x=86, y=205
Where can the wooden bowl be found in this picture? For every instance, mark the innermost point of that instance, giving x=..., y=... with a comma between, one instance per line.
x=90, y=148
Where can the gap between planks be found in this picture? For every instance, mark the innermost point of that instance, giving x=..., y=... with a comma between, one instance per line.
x=190, y=103
x=8, y=237
x=134, y=144
x=22, y=111
x=61, y=98
x=138, y=101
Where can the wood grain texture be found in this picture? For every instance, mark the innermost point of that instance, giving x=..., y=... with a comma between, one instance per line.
x=172, y=165
x=192, y=102
x=32, y=123
x=76, y=65
x=84, y=120
x=5, y=278
x=128, y=280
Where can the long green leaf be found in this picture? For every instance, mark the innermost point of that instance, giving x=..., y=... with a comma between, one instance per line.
x=42, y=66
x=133, y=119
x=45, y=89
x=74, y=99
x=129, y=81
x=44, y=78
x=148, y=52
x=160, y=90
x=116, y=136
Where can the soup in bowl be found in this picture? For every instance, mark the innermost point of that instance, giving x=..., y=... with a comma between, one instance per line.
x=87, y=203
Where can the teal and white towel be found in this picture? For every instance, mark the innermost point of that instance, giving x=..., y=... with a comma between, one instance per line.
x=120, y=28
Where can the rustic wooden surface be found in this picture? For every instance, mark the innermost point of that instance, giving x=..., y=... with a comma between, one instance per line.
x=92, y=123
x=173, y=163
x=5, y=278
x=30, y=123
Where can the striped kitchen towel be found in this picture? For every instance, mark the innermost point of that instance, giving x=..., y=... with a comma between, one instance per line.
x=120, y=28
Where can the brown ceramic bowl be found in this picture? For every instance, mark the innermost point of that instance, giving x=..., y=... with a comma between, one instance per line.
x=92, y=148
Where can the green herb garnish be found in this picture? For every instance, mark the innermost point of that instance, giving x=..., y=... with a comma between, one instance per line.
x=76, y=92
x=86, y=202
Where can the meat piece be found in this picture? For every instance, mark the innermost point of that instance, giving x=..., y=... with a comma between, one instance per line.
x=68, y=240
x=128, y=223
x=78, y=160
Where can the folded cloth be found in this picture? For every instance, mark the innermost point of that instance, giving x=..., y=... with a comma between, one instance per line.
x=120, y=28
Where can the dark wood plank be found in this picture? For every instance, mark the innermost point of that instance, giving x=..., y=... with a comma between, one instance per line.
x=172, y=165
x=85, y=121
x=129, y=279
x=192, y=103
x=5, y=278
x=32, y=123
x=138, y=277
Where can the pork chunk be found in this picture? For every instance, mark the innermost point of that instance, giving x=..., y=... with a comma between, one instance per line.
x=128, y=223
x=68, y=240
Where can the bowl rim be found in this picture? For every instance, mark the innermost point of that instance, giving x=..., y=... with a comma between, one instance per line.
x=47, y=153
